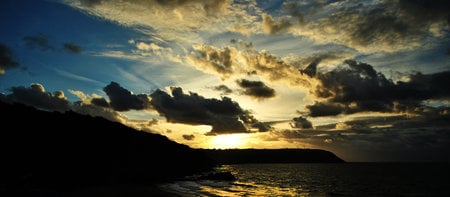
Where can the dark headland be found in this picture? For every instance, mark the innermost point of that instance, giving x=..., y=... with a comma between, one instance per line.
x=46, y=151
x=242, y=156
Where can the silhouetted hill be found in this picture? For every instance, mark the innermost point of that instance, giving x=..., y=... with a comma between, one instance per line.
x=40, y=149
x=240, y=156
x=43, y=150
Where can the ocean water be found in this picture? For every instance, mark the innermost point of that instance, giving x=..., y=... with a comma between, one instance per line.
x=347, y=179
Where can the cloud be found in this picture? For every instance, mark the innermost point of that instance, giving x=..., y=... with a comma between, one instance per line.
x=6, y=59
x=357, y=87
x=329, y=58
x=96, y=106
x=168, y=19
x=224, y=89
x=98, y=111
x=150, y=49
x=382, y=137
x=224, y=115
x=72, y=48
x=36, y=96
x=122, y=99
x=188, y=137
x=90, y=2
x=301, y=122
x=326, y=109
x=230, y=61
x=369, y=26
x=152, y=122
x=100, y=102
x=39, y=41
x=256, y=89
x=272, y=27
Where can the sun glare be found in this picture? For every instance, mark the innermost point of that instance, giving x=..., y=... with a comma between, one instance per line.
x=228, y=141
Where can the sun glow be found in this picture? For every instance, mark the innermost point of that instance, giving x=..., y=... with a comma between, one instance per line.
x=229, y=141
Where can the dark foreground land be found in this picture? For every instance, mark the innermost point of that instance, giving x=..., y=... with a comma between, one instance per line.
x=45, y=152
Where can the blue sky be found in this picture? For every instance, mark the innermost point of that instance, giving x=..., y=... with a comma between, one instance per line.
x=337, y=75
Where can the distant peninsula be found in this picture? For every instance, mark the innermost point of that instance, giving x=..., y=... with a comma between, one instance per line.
x=243, y=156
x=53, y=150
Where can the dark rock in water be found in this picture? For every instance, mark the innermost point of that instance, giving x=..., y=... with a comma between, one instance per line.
x=219, y=176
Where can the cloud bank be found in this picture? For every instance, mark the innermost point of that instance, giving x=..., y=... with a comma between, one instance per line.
x=36, y=96
x=122, y=99
x=357, y=87
x=224, y=115
x=370, y=26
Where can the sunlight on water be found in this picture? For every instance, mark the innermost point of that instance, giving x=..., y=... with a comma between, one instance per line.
x=351, y=179
x=227, y=188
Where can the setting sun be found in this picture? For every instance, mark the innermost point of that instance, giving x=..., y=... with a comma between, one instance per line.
x=229, y=141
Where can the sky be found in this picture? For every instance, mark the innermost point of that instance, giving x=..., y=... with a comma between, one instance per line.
x=366, y=80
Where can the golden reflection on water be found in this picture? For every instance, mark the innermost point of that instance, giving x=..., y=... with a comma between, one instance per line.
x=248, y=189
x=240, y=188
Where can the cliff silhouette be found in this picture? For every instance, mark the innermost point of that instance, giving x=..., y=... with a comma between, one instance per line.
x=63, y=151
x=41, y=149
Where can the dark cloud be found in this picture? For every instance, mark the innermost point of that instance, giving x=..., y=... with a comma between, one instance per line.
x=36, y=96
x=325, y=109
x=357, y=81
x=224, y=115
x=224, y=89
x=358, y=87
x=102, y=102
x=397, y=24
x=392, y=138
x=122, y=99
x=424, y=86
x=39, y=41
x=6, y=59
x=72, y=48
x=256, y=89
x=301, y=122
x=188, y=137
x=95, y=106
x=380, y=144
x=381, y=26
x=311, y=69
x=425, y=11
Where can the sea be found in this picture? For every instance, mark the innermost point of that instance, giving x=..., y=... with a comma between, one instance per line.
x=325, y=179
